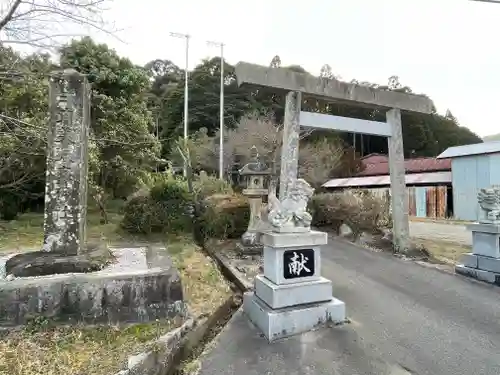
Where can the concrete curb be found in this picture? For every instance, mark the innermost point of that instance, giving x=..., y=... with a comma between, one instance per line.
x=477, y=274
x=169, y=349
x=230, y=272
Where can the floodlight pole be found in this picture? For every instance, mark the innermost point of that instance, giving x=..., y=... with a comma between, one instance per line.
x=221, y=110
x=186, y=73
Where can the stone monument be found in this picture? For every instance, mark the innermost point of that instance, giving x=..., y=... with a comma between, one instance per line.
x=68, y=279
x=255, y=173
x=484, y=261
x=67, y=163
x=66, y=183
x=291, y=297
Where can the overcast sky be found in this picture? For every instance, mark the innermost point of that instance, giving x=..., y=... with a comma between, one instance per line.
x=447, y=49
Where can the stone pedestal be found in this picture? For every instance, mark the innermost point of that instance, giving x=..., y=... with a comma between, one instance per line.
x=291, y=297
x=484, y=261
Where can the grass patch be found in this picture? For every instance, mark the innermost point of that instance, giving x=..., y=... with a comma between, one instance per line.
x=205, y=289
x=26, y=233
x=76, y=350
x=444, y=251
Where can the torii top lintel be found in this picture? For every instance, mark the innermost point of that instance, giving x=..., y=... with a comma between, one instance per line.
x=329, y=89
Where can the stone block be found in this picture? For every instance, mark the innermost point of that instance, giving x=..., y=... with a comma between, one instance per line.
x=469, y=260
x=280, y=296
x=483, y=227
x=142, y=285
x=291, y=229
x=289, y=321
x=487, y=276
x=290, y=240
x=488, y=264
x=486, y=244
x=277, y=263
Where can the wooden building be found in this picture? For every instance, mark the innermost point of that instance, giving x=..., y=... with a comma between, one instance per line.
x=428, y=182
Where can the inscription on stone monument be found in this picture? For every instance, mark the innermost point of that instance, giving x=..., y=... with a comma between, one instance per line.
x=298, y=263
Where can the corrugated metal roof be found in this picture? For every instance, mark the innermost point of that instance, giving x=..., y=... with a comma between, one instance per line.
x=374, y=159
x=374, y=181
x=411, y=166
x=474, y=149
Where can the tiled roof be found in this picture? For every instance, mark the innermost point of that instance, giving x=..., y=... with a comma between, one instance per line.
x=419, y=165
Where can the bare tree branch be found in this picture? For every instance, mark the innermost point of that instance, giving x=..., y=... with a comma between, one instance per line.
x=39, y=23
x=316, y=160
x=10, y=14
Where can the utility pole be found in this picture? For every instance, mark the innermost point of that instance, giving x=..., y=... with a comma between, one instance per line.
x=186, y=73
x=221, y=115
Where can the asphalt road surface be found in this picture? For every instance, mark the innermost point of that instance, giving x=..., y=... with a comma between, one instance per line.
x=406, y=319
x=425, y=320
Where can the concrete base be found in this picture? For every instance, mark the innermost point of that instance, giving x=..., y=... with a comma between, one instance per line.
x=279, y=296
x=289, y=321
x=487, y=276
x=485, y=239
x=249, y=249
x=484, y=227
x=291, y=229
x=469, y=260
x=142, y=285
x=294, y=240
x=481, y=262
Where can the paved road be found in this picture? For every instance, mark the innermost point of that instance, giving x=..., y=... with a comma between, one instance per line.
x=448, y=232
x=428, y=321
x=406, y=320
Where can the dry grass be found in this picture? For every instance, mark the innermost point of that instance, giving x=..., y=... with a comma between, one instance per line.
x=441, y=221
x=444, y=251
x=26, y=233
x=205, y=289
x=101, y=350
x=76, y=350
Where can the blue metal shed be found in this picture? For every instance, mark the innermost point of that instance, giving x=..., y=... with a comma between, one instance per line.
x=473, y=167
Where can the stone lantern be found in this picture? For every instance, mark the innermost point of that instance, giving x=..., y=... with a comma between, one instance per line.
x=255, y=174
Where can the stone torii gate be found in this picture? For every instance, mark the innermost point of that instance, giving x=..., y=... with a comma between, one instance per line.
x=298, y=84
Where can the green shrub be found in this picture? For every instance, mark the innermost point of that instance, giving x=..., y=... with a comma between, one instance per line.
x=137, y=215
x=328, y=211
x=165, y=208
x=224, y=216
x=361, y=210
x=171, y=204
x=205, y=186
x=10, y=207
